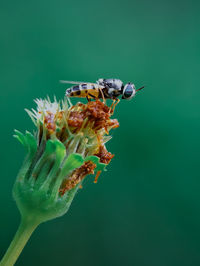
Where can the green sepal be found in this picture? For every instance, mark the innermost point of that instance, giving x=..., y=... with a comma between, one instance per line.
x=30, y=143
x=27, y=140
x=96, y=160
x=75, y=160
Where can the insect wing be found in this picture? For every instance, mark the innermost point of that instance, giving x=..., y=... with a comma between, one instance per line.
x=79, y=82
x=74, y=82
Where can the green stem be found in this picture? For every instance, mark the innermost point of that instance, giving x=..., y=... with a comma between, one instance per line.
x=20, y=239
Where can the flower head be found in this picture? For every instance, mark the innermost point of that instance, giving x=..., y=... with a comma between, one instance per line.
x=69, y=145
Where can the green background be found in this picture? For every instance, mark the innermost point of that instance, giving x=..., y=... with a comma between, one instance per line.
x=145, y=210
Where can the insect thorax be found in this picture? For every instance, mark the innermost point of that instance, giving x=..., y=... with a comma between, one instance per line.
x=111, y=83
x=113, y=87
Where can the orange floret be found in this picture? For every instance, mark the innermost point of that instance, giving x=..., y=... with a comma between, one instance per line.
x=77, y=176
x=104, y=155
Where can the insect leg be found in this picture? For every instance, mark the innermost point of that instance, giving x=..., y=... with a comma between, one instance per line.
x=88, y=98
x=118, y=100
x=113, y=105
x=92, y=96
x=102, y=95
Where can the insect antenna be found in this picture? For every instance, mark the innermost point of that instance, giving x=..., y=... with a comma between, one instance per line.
x=140, y=88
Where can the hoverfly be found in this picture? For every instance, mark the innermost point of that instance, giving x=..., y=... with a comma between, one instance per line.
x=102, y=89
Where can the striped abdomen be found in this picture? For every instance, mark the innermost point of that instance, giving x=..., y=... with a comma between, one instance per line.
x=91, y=91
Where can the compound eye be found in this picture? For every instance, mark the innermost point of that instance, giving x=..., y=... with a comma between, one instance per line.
x=129, y=91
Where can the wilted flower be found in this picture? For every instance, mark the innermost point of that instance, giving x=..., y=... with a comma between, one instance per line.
x=68, y=145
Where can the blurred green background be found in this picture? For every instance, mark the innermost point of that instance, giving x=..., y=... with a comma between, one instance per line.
x=145, y=210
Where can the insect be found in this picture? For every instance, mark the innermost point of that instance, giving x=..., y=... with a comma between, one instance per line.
x=103, y=88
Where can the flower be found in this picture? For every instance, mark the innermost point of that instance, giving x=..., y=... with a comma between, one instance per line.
x=69, y=144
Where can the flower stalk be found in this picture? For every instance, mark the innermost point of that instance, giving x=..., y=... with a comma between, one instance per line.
x=25, y=230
